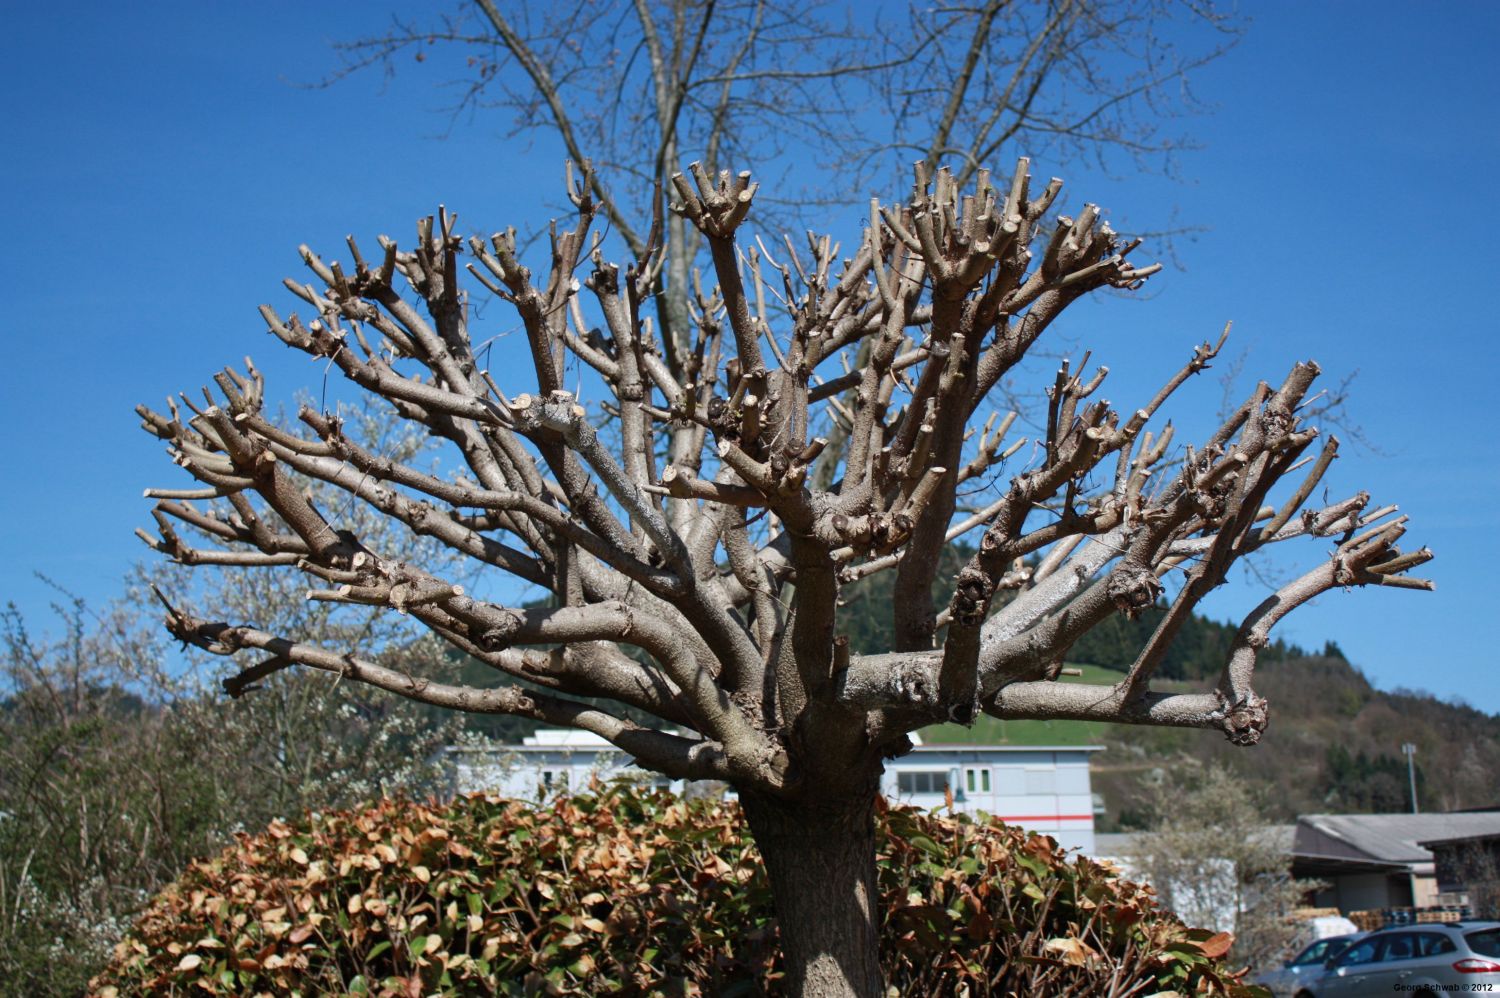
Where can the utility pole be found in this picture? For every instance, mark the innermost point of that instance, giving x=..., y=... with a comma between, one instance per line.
x=1410, y=751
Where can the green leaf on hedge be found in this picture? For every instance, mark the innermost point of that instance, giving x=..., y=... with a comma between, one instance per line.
x=1036, y=866
x=928, y=846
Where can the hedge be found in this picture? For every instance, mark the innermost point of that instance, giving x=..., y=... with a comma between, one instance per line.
x=627, y=892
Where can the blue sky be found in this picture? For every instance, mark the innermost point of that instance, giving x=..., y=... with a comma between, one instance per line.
x=164, y=165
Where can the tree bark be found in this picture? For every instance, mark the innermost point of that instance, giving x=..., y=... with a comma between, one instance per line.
x=821, y=861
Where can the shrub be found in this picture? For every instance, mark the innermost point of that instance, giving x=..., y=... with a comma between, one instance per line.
x=624, y=892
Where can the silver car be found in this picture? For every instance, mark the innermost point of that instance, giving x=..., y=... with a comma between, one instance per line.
x=1284, y=981
x=1430, y=959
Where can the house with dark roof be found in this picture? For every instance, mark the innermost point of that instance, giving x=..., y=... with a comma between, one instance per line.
x=1379, y=860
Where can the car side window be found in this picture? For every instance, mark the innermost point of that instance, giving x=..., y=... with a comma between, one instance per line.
x=1402, y=946
x=1361, y=952
x=1485, y=942
x=1434, y=944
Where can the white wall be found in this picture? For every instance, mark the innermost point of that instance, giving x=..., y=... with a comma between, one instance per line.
x=1041, y=790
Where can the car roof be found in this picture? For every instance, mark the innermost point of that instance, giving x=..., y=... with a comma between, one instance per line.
x=1464, y=926
x=1343, y=940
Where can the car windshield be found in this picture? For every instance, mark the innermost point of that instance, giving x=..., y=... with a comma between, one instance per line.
x=1321, y=950
x=1313, y=954
x=1485, y=942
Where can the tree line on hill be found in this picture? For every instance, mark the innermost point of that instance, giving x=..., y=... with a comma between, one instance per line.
x=1198, y=652
x=1333, y=746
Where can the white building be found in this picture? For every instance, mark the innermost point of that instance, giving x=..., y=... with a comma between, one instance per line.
x=551, y=761
x=1042, y=788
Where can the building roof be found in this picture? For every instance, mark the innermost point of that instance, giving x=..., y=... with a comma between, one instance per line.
x=967, y=747
x=1352, y=843
x=1126, y=844
x=565, y=740
x=1387, y=838
x=574, y=740
x=565, y=737
x=1463, y=840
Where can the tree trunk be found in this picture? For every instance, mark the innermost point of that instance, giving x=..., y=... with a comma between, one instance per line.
x=821, y=861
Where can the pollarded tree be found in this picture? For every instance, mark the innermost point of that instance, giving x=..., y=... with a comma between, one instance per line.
x=692, y=555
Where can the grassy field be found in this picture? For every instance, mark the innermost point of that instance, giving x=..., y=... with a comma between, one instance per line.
x=993, y=731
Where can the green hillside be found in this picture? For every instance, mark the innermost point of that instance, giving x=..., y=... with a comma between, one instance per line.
x=993, y=731
x=1333, y=745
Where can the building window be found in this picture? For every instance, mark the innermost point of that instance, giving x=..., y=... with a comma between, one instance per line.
x=977, y=780
x=922, y=782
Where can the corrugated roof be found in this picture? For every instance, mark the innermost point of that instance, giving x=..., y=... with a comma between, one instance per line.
x=1396, y=837
x=1128, y=843
x=973, y=747
x=1386, y=838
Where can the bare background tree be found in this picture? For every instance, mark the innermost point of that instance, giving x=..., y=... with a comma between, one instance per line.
x=693, y=556
x=639, y=87
x=1215, y=861
x=1478, y=869
x=120, y=762
x=118, y=767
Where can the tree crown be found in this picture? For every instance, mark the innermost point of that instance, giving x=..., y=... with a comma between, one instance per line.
x=818, y=426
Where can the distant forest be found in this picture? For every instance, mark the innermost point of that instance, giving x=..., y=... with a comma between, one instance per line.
x=1199, y=651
